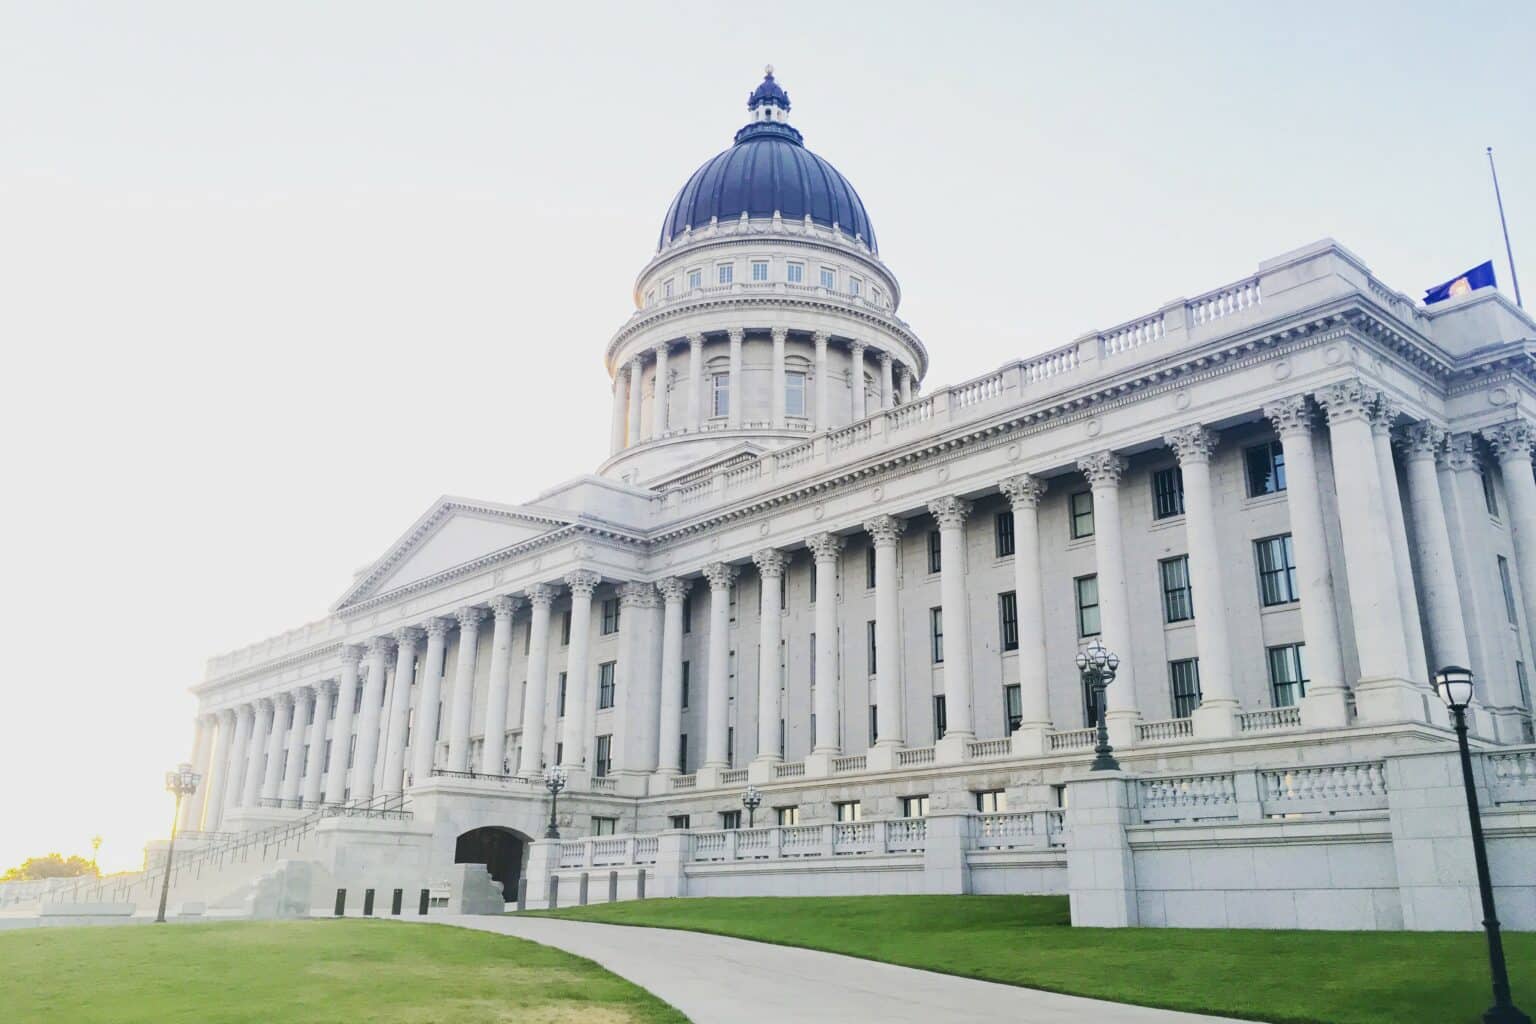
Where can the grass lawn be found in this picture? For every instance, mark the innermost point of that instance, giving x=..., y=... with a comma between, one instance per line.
x=1291, y=976
x=306, y=972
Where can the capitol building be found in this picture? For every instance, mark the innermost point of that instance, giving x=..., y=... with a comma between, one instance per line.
x=806, y=567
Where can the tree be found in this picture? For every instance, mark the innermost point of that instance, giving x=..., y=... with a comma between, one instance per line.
x=52, y=866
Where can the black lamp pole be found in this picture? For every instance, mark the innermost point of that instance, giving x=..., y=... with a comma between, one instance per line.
x=751, y=800
x=182, y=782
x=554, y=781
x=1098, y=665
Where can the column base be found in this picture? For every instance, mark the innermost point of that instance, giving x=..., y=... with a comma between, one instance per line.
x=881, y=757
x=1215, y=720
x=1030, y=739
x=760, y=769
x=1325, y=709
x=661, y=781
x=1383, y=700
x=1122, y=727
x=708, y=777
x=819, y=765
x=951, y=749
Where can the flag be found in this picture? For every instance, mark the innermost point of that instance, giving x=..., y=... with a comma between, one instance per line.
x=1480, y=276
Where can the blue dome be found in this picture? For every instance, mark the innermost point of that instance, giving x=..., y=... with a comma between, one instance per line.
x=768, y=171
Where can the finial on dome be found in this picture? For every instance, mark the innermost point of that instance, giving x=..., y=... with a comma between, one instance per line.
x=768, y=94
x=768, y=70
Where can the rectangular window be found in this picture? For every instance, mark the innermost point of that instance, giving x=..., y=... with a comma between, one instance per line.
x=796, y=272
x=721, y=394
x=304, y=763
x=730, y=819
x=686, y=665
x=812, y=652
x=992, y=801
x=1524, y=683
x=794, y=394
x=813, y=581
x=1008, y=612
x=1178, y=599
x=829, y=278
x=936, y=631
x=935, y=551
x=682, y=753
x=1004, y=534
x=325, y=759
x=1080, y=507
x=650, y=297
x=787, y=815
x=1509, y=591
x=869, y=568
x=1168, y=493
x=1490, y=498
x=869, y=643
x=848, y=810
x=1277, y=570
x=730, y=746
x=1287, y=674
x=813, y=730
x=725, y=273
x=565, y=628
x=351, y=749
x=559, y=754
x=1013, y=707
x=560, y=703
x=604, y=826
x=688, y=613
x=759, y=270
x=695, y=279
x=678, y=822
x=781, y=739
x=1184, y=685
x=610, y=616
x=1087, y=605
x=357, y=701
x=874, y=724
x=854, y=286
x=1265, y=464
x=605, y=684
x=666, y=288
x=914, y=806
x=940, y=717
x=783, y=593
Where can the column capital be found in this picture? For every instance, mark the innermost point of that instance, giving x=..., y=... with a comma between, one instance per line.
x=265, y=704
x=1193, y=443
x=886, y=359
x=540, y=595
x=1510, y=440
x=1347, y=400
x=825, y=547
x=207, y=720
x=1103, y=469
x=1460, y=453
x=282, y=700
x=696, y=343
x=720, y=575
x=304, y=695
x=673, y=589
x=1421, y=440
x=885, y=531
x=246, y=710
x=380, y=646
x=637, y=595
x=437, y=628
x=226, y=716
x=735, y=335
x=662, y=349
x=636, y=362
x=903, y=370
x=857, y=347
x=407, y=637
x=582, y=582
x=950, y=511
x=351, y=654
x=1384, y=413
x=330, y=688
x=820, y=339
x=1290, y=416
x=780, y=335
x=469, y=618
x=1023, y=491
x=504, y=606
x=770, y=562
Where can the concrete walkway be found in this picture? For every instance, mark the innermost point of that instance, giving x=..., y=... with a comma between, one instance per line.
x=715, y=980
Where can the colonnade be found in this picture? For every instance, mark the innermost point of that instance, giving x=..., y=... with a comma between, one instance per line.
x=245, y=744
x=894, y=379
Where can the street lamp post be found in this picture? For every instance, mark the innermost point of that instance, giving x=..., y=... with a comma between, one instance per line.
x=1097, y=665
x=1454, y=684
x=182, y=782
x=751, y=800
x=95, y=850
x=554, y=781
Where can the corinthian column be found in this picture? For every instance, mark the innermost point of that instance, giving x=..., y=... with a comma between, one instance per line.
x=463, y=697
x=885, y=532
x=635, y=398
x=272, y=777
x=780, y=335
x=904, y=382
x=695, y=381
x=1512, y=446
x=951, y=513
x=239, y=757
x=1103, y=470
x=670, y=724
x=659, y=406
x=370, y=727
x=341, y=732
x=293, y=766
x=1216, y=717
x=1024, y=493
x=1324, y=704
x=493, y=747
x=256, y=765
x=887, y=388
x=424, y=743
x=620, y=417
x=1383, y=416
x=770, y=631
x=223, y=765
x=856, y=395
x=828, y=703
x=314, y=767
x=540, y=597
x=717, y=708
x=407, y=643
x=1384, y=693
x=737, y=399
x=1447, y=631
x=578, y=708
x=638, y=685
x=823, y=382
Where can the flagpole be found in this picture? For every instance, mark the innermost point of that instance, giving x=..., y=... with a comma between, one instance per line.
x=1508, y=252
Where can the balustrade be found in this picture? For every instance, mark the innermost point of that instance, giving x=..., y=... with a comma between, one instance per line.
x=981, y=750
x=912, y=756
x=1269, y=719
x=1166, y=730
x=1511, y=776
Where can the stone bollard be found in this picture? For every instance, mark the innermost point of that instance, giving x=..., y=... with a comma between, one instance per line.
x=396, y=901
x=581, y=891
x=613, y=887
x=554, y=893
x=425, y=902
x=640, y=885
x=522, y=894
x=341, y=902
x=367, y=902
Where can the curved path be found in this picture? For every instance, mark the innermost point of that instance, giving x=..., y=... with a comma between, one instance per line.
x=715, y=980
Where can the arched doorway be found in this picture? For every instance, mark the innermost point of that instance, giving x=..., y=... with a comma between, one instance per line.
x=499, y=849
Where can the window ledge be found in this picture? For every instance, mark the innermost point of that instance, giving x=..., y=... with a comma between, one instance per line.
x=1167, y=522
x=1260, y=500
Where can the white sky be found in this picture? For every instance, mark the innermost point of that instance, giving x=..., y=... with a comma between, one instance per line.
x=275, y=276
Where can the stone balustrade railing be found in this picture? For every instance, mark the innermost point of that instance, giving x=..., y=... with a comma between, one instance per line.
x=1255, y=794
x=909, y=757
x=849, y=763
x=1269, y=720
x=1020, y=830
x=684, y=782
x=1165, y=731
x=789, y=770
x=1511, y=776
x=733, y=776
x=1072, y=739
x=982, y=750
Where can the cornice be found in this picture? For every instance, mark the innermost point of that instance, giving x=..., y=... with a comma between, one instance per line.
x=266, y=668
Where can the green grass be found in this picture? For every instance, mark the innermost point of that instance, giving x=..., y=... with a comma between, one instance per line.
x=1289, y=976
x=306, y=972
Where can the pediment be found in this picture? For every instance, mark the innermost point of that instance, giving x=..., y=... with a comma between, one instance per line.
x=452, y=533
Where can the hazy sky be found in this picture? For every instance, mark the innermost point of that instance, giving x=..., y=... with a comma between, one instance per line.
x=274, y=276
